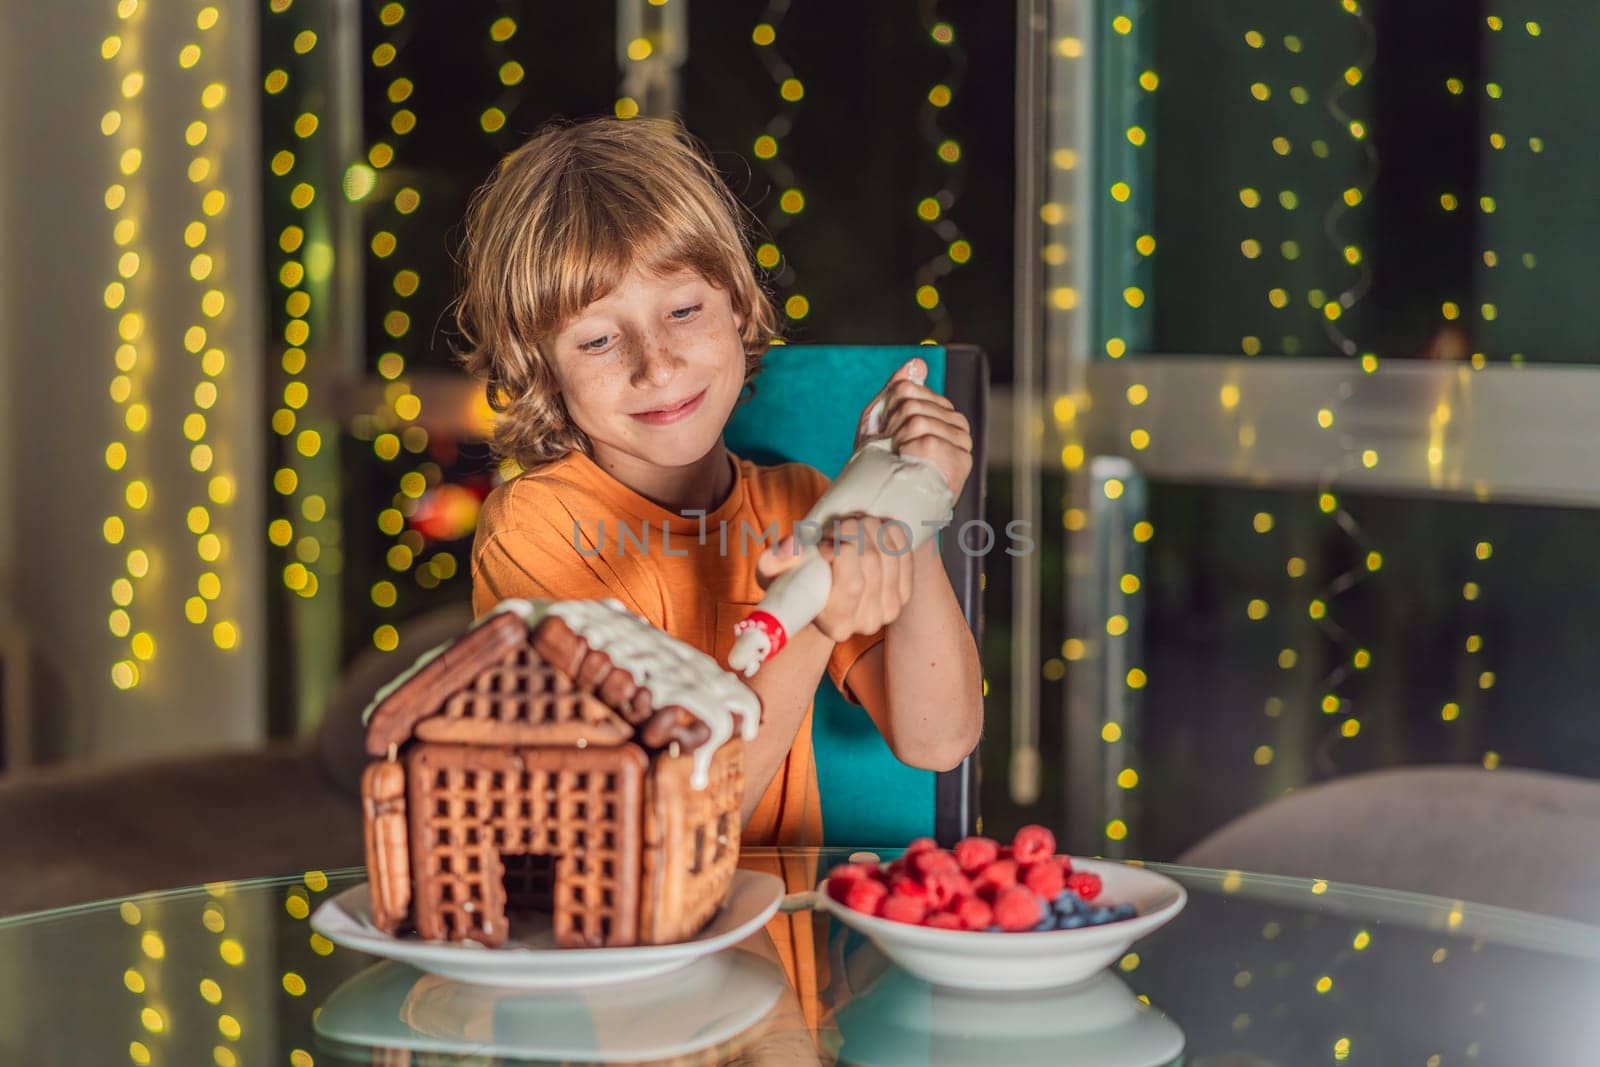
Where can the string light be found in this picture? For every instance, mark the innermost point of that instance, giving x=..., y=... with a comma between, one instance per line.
x=127, y=453
x=1128, y=246
x=293, y=276
x=303, y=530
x=211, y=488
x=509, y=73
x=934, y=210
x=393, y=426
x=767, y=148
x=1269, y=105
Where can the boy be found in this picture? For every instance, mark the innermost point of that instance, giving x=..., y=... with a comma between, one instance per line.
x=612, y=310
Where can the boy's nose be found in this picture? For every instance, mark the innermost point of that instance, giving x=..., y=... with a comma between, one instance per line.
x=654, y=362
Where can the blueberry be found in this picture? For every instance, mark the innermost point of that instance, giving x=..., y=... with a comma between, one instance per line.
x=1125, y=911
x=1072, y=922
x=1047, y=923
x=1100, y=915
x=1068, y=903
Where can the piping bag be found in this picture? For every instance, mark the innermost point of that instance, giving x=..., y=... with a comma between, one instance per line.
x=877, y=481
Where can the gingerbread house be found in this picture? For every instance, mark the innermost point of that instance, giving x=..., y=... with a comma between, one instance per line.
x=562, y=757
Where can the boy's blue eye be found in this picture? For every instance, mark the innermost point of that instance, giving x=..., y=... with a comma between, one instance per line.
x=594, y=346
x=684, y=313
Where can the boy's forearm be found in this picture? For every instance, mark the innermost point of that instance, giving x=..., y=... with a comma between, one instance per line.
x=786, y=685
x=932, y=677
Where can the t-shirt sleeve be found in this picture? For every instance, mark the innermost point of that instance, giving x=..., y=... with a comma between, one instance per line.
x=810, y=485
x=844, y=657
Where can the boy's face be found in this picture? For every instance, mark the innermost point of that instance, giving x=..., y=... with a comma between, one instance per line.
x=651, y=371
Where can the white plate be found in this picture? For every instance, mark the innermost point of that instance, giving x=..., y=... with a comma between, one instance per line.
x=709, y=1002
x=901, y=1019
x=532, y=961
x=964, y=959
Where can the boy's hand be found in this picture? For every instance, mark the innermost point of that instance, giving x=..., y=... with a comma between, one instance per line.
x=872, y=565
x=922, y=423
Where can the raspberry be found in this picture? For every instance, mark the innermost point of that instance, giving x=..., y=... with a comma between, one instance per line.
x=1065, y=863
x=1044, y=878
x=975, y=853
x=1084, y=884
x=921, y=844
x=998, y=875
x=865, y=895
x=906, y=886
x=903, y=909
x=975, y=914
x=842, y=877
x=945, y=887
x=1033, y=843
x=1017, y=909
x=926, y=863
x=943, y=920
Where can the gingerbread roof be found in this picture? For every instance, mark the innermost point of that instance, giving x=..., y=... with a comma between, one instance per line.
x=423, y=691
x=504, y=683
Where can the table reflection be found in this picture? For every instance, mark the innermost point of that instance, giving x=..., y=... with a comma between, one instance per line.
x=739, y=1006
x=900, y=1019
x=707, y=1012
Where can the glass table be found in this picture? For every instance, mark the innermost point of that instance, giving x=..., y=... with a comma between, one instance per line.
x=1256, y=970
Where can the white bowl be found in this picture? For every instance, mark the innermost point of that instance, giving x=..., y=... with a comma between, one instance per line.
x=532, y=961
x=962, y=959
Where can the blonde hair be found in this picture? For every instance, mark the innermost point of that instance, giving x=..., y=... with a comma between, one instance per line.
x=556, y=227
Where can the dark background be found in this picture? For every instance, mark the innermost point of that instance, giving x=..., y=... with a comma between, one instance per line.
x=861, y=145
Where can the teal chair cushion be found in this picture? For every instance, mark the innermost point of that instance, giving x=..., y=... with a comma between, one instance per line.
x=806, y=404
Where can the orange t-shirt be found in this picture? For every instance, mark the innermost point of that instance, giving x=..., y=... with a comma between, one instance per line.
x=694, y=582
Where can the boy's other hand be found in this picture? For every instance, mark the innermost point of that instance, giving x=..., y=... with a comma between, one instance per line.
x=871, y=563
x=921, y=423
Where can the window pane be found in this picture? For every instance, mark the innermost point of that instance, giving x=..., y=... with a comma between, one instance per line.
x=1289, y=638
x=1407, y=179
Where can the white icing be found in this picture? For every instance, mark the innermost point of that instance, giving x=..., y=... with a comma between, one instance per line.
x=676, y=673
x=877, y=481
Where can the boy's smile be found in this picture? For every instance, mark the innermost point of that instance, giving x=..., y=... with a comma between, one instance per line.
x=671, y=412
x=650, y=373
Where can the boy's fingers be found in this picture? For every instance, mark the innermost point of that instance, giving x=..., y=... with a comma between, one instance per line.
x=775, y=559
x=913, y=369
x=920, y=396
x=931, y=416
